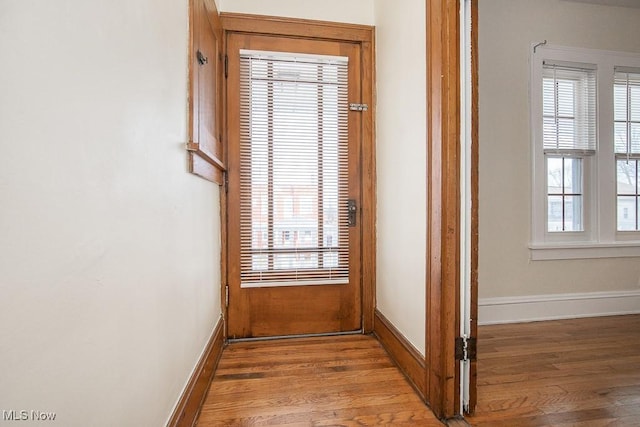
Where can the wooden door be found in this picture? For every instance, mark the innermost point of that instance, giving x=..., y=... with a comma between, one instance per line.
x=294, y=145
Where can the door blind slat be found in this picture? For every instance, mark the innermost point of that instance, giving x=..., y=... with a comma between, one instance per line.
x=293, y=169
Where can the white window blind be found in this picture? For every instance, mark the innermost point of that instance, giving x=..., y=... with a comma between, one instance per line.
x=626, y=106
x=569, y=109
x=626, y=111
x=293, y=173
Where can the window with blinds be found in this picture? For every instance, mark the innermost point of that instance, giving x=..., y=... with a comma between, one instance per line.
x=569, y=109
x=585, y=128
x=293, y=169
x=569, y=134
x=626, y=107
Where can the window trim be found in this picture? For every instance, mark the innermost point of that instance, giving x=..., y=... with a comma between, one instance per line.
x=600, y=238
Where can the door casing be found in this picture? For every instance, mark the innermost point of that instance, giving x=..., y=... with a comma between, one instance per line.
x=442, y=374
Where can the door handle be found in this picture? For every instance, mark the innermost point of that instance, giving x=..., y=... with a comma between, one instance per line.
x=352, y=210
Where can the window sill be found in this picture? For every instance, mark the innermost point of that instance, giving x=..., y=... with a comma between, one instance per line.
x=546, y=251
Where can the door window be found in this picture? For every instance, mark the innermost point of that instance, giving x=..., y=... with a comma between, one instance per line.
x=293, y=169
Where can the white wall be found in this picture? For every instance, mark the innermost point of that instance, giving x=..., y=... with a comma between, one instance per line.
x=506, y=30
x=401, y=165
x=109, y=249
x=351, y=11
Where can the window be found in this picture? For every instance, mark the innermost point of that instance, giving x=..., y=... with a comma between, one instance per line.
x=564, y=197
x=626, y=107
x=585, y=115
x=568, y=110
x=293, y=168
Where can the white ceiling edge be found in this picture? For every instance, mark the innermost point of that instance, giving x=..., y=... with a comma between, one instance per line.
x=623, y=3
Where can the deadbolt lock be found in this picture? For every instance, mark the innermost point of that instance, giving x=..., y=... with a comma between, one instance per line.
x=352, y=210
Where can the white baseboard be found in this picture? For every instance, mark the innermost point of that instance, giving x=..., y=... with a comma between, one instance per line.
x=534, y=308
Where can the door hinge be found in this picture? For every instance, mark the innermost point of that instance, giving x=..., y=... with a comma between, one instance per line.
x=466, y=348
x=226, y=66
x=226, y=296
x=225, y=181
x=358, y=107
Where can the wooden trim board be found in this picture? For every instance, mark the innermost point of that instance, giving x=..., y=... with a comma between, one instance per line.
x=443, y=207
x=204, y=169
x=186, y=411
x=408, y=359
x=369, y=201
x=294, y=27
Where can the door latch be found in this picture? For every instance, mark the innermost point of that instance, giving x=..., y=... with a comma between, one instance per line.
x=352, y=210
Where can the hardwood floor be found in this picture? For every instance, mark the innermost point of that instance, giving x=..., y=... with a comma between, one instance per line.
x=579, y=372
x=345, y=381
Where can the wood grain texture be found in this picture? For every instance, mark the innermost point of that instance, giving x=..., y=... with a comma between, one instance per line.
x=368, y=181
x=224, y=255
x=578, y=372
x=287, y=310
x=206, y=152
x=443, y=206
x=204, y=169
x=274, y=25
x=408, y=359
x=241, y=28
x=188, y=407
x=457, y=422
x=328, y=381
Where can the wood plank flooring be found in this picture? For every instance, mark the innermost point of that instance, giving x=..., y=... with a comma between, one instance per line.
x=328, y=381
x=579, y=372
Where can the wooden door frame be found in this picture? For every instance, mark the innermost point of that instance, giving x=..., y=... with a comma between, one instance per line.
x=364, y=36
x=443, y=204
